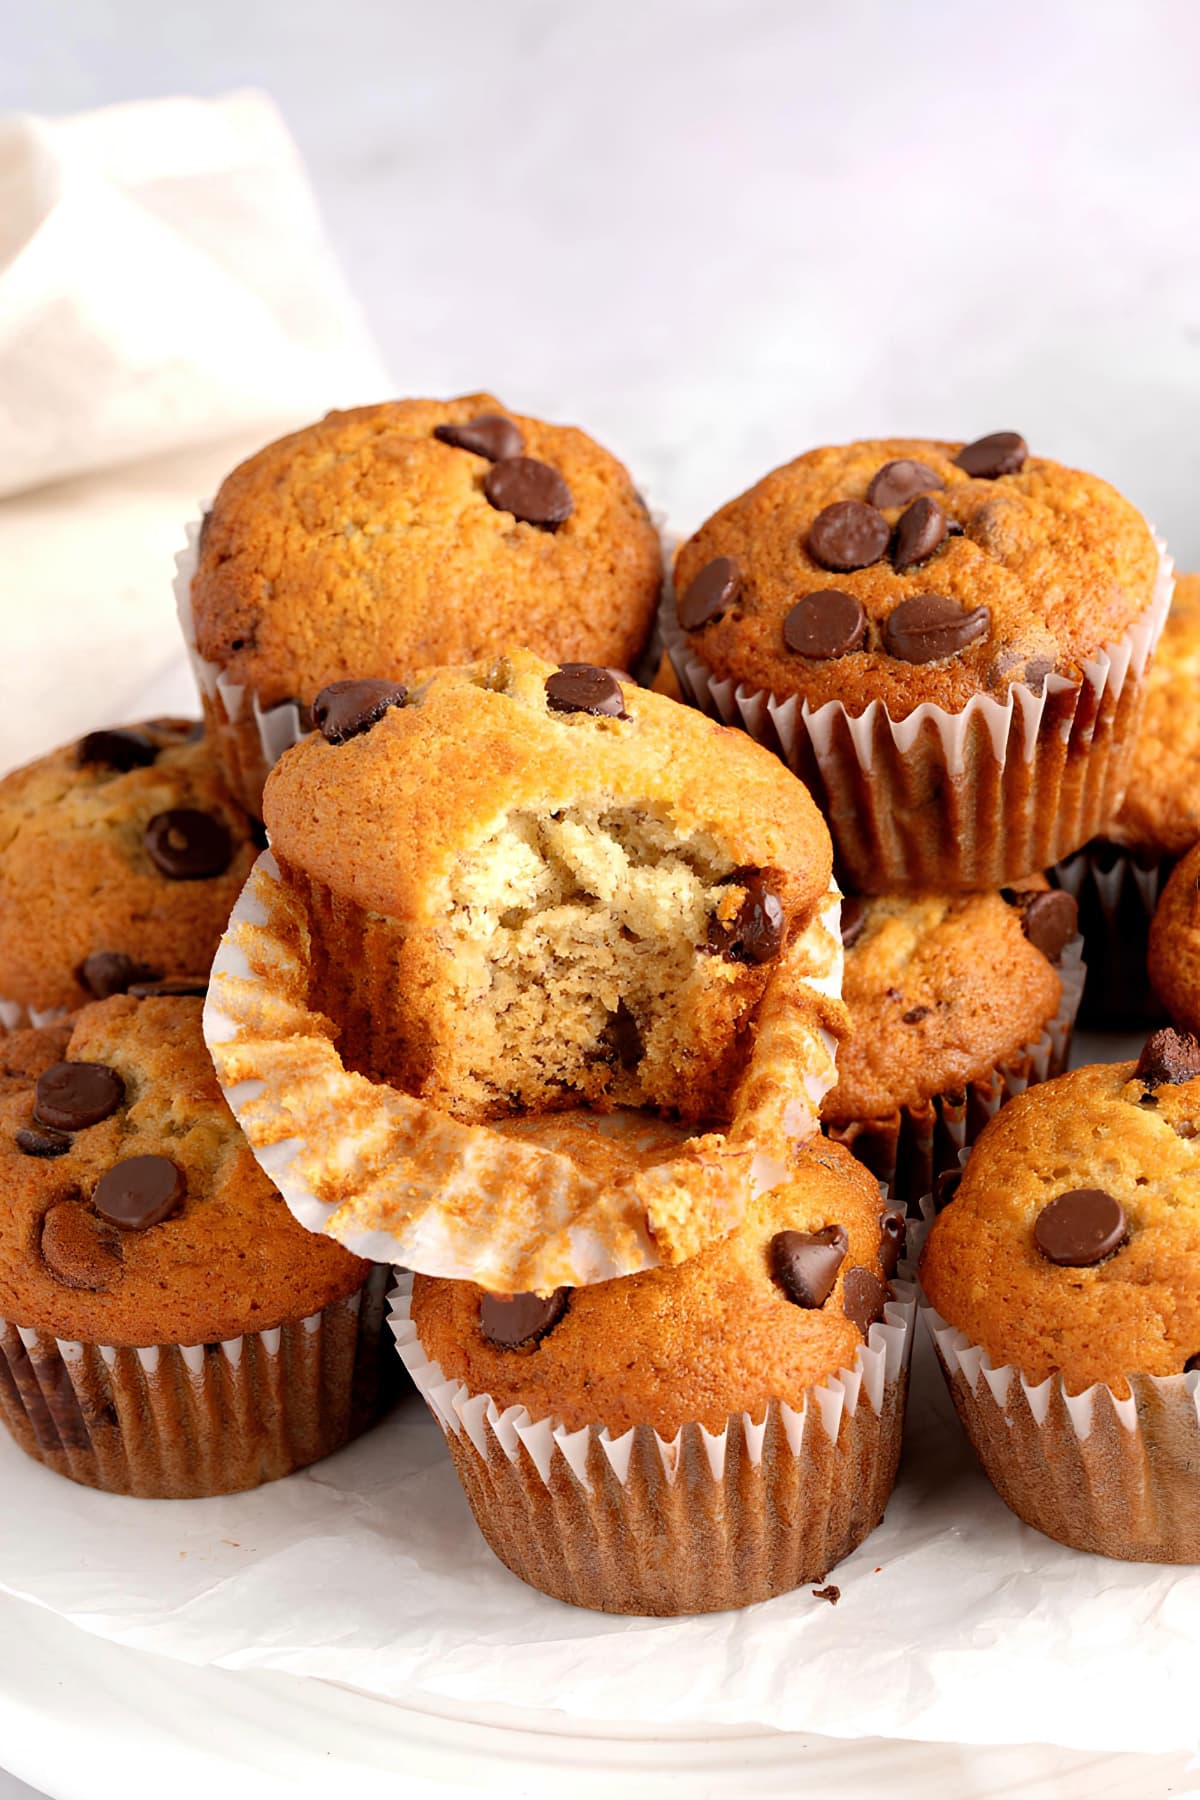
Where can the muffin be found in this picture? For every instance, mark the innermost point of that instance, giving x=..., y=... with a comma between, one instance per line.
x=517, y=891
x=121, y=856
x=690, y=1439
x=1119, y=878
x=956, y=1003
x=947, y=642
x=396, y=538
x=1173, y=963
x=1066, y=1309
x=167, y=1330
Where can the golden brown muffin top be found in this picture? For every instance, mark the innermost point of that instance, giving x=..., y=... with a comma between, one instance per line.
x=717, y=1335
x=26, y=1052
x=1061, y=563
x=229, y=1258
x=122, y=846
x=1130, y=1137
x=1173, y=963
x=1162, y=801
x=366, y=545
x=940, y=988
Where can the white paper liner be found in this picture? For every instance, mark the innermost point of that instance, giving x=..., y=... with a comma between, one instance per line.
x=1117, y=891
x=974, y=851
x=394, y=1179
x=16, y=1016
x=626, y=1556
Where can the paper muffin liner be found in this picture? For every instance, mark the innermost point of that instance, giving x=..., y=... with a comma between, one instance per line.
x=968, y=799
x=179, y=1422
x=16, y=1016
x=700, y=1522
x=1117, y=890
x=394, y=1179
x=1119, y=1477
x=910, y=1149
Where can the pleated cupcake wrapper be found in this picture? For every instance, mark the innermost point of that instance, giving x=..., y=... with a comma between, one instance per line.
x=696, y=1523
x=1019, y=784
x=16, y=1016
x=1120, y=1477
x=1117, y=893
x=395, y=1179
x=183, y=1421
x=911, y=1148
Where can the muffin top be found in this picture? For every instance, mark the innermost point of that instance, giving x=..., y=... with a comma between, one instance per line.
x=907, y=570
x=134, y=1210
x=121, y=856
x=940, y=989
x=398, y=537
x=1161, y=812
x=1072, y=1244
x=784, y=1302
x=1174, y=954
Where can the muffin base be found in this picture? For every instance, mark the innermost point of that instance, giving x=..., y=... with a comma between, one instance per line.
x=1117, y=891
x=179, y=1422
x=701, y=1523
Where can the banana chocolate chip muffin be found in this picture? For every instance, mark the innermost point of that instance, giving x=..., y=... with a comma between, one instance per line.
x=687, y=1439
x=956, y=1003
x=121, y=856
x=167, y=1329
x=1065, y=1307
x=395, y=538
x=924, y=630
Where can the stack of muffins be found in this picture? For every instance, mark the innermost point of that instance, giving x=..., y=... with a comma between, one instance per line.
x=532, y=987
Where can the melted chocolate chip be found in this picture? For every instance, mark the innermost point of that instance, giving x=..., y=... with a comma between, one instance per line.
x=805, y=1264
x=848, y=535
x=921, y=529
x=900, y=481
x=929, y=627
x=1080, y=1228
x=945, y=1188
x=490, y=435
x=140, y=1192
x=1050, y=920
x=120, y=750
x=510, y=1321
x=585, y=688
x=915, y=1014
x=1191, y=1365
x=345, y=709
x=825, y=625
x=108, y=972
x=854, y=918
x=36, y=1141
x=1168, y=1057
x=171, y=987
x=77, y=1250
x=864, y=1297
x=70, y=1096
x=709, y=594
x=755, y=933
x=1000, y=453
x=187, y=845
x=893, y=1228
x=530, y=490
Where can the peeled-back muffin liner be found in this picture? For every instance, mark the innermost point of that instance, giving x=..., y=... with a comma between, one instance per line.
x=696, y=1523
x=910, y=1149
x=1117, y=890
x=394, y=1179
x=16, y=1016
x=968, y=799
x=182, y=1421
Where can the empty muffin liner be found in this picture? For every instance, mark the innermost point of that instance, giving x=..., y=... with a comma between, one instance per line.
x=1117, y=890
x=698, y=1523
x=1119, y=1477
x=909, y=1150
x=970, y=799
x=395, y=1179
x=181, y=1421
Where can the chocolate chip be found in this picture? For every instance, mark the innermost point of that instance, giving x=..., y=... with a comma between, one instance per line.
x=186, y=845
x=622, y=1037
x=930, y=626
x=1168, y=1057
x=915, y=1014
x=893, y=1227
x=529, y=490
x=77, y=1250
x=1050, y=920
x=825, y=625
x=900, y=481
x=831, y=1593
x=919, y=532
x=511, y=1321
x=710, y=593
x=805, y=1264
x=140, y=1192
x=1080, y=1228
x=73, y=1095
x=37, y=1142
x=108, y=972
x=854, y=918
x=490, y=435
x=120, y=750
x=171, y=987
x=585, y=688
x=345, y=709
x=953, y=528
x=1000, y=453
x=755, y=933
x=864, y=1297
x=945, y=1188
x=1191, y=1365
x=848, y=535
